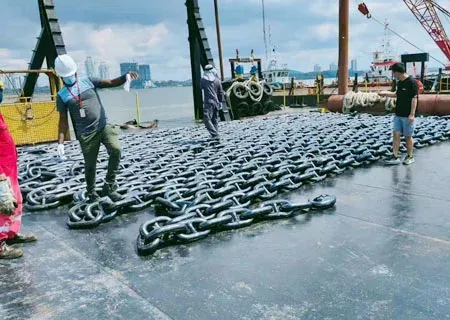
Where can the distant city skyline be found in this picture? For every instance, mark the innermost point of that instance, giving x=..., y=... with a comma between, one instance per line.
x=90, y=67
x=333, y=67
x=144, y=71
x=103, y=70
x=95, y=69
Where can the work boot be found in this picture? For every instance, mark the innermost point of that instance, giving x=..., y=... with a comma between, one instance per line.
x=20, y=238
x=92, y=197
x=7, y=252
x=109, y=189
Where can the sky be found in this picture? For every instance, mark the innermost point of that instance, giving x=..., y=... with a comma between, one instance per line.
x=303, y=32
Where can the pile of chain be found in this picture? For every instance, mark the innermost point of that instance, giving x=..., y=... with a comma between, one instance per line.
x=199, y=185
x=197, y=221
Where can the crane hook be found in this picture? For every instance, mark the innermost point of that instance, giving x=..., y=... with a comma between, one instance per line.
x=362, y=7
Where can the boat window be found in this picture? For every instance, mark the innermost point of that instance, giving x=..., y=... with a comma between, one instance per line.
x=279, y=74
x=372, y=68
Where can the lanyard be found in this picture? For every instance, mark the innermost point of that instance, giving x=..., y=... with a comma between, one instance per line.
x=77, y=99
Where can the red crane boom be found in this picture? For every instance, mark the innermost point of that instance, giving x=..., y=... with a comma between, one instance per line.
x=426, y=12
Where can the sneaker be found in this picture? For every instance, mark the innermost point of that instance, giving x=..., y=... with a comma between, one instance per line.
x=20, y=238
x=391, y=161
x=110, y=191
x=408, y=160
x=7, y=252
x=93, y=197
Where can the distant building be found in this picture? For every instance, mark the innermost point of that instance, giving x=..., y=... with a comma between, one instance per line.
x=145, y=72
x=145, y=76
x=317, y=68
x=354, y=65
x=131, y=67
x=333, y=67
x=91, y=70
x=103, y=70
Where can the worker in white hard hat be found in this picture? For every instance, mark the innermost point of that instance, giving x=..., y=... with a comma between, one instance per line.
x=80, y=98
x=213, y=97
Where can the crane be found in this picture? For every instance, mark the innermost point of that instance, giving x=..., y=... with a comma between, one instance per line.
x=426, y=12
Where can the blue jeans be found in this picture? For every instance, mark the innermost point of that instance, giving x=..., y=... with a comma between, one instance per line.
x=402, y=125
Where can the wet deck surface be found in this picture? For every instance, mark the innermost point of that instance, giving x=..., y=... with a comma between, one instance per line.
x=383, y=253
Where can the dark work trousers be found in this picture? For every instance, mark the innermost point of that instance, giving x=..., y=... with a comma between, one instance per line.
x=90, y=146
x=211, y=119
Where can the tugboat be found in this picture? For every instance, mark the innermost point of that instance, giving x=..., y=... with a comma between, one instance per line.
x=275, y=76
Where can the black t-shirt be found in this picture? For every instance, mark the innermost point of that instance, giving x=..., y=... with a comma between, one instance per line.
x=406, y=91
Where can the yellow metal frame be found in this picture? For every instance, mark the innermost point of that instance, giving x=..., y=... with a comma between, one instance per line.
x=32, y=122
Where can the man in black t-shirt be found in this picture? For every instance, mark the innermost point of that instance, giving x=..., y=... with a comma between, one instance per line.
x=405, y=112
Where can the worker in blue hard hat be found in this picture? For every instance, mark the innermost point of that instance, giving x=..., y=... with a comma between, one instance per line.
x=213, y=96
x=254, y=74
x=239, y=70
x=80, y=98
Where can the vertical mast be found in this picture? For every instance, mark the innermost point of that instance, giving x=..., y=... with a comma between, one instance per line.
x=264, y=29
x=386, y=40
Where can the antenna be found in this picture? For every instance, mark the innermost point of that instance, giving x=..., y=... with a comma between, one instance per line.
x=387, y=40
x=264, y=28
x=270, y=41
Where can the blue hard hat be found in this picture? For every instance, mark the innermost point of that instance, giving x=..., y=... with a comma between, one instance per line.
x=239, y=69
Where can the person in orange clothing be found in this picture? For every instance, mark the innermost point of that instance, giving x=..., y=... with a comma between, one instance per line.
x=10, y=198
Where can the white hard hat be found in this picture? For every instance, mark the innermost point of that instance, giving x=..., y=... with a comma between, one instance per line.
x=209, y=67
x=65, y=66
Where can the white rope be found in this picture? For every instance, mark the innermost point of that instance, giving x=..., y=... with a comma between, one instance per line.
x=365, y=99
x=229, y=91
x=246, y=84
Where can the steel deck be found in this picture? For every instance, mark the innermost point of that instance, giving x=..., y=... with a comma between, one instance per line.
x=383, y=253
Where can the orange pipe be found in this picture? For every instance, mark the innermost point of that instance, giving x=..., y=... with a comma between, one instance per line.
x=344, y=22
x=335, y=103
x=429, y=104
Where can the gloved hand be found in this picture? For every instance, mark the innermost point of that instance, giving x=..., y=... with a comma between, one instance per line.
x=60, y=150
x=127, y=84
x=8, y=202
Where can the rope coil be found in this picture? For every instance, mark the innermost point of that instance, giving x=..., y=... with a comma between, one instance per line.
x=248, y=88
x=366, y=99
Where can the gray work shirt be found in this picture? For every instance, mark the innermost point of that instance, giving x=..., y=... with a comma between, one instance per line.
x=212, y=91
x=93, y=117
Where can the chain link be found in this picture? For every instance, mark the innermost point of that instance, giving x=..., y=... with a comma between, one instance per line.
x=202, y=186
